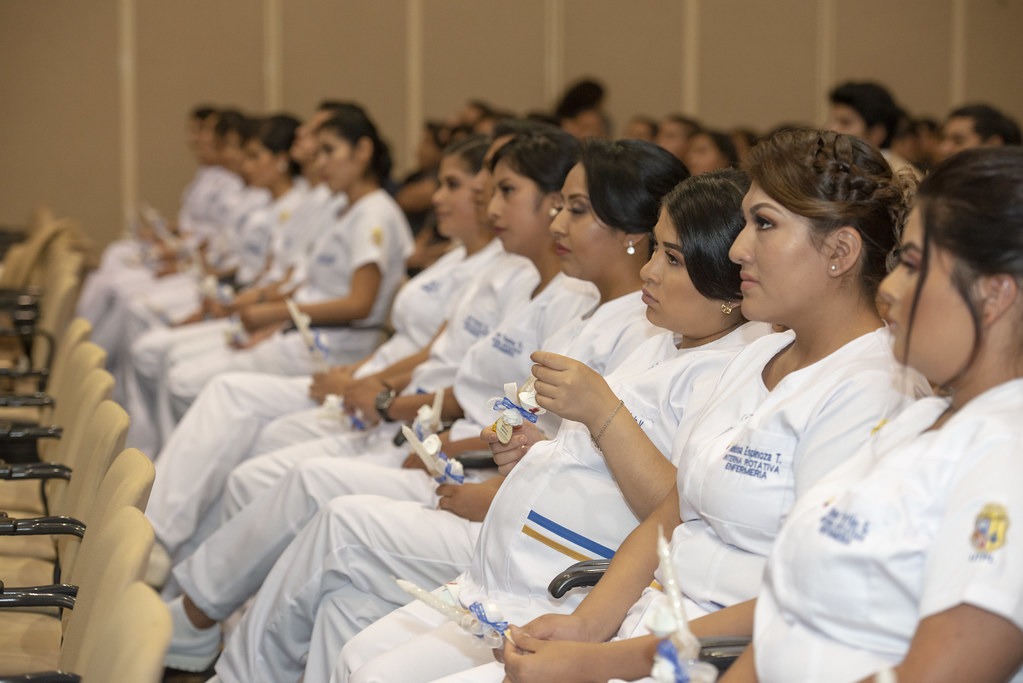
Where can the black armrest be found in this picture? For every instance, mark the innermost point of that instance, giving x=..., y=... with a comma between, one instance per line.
x=722, y=651
x=22, y=431
x=19, y=374
x=585, y=573
x=36, y=400
x=43, y=677
x=41, y=526
x=476, y=460
x=34, y=470
x=60, y=595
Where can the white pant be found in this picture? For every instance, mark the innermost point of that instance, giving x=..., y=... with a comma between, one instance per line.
x=334, y=580
x=232, y=563
x=411, y=644
x=216, y=434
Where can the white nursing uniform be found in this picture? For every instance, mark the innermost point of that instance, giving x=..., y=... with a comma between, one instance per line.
x=220, y=429
x=371, y=231
x=350, y=548
x=917, y=523
x=817, y=410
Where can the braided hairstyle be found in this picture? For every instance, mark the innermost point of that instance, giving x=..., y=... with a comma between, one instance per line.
x=834, y=181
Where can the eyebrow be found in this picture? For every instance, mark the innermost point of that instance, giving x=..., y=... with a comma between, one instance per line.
x=911, y=247
x=578, y=195
x=761, y=205
x=674, y=247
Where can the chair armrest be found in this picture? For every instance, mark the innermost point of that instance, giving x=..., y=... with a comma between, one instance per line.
x=722, y=651
x=23, y=431
x=41, y=526
x=476, y=460
x=585, y=573
x=58, y=595
x=33, y=470
x=36, y=400
x=42, y=677
x=14, y=373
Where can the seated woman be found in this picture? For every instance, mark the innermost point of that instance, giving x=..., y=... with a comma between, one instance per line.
x=898, y=565
x=821, y=216
x=358, y=266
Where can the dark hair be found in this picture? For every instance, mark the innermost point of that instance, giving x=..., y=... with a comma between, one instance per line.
x=691, y=125
x=627, y=179
x=583, y=96
x=835, y=180
x=706, y=211
x=351, y=123
x=989, y=122
x=972, y=207
x=277, y=133
x=469, y=150
x=544, y=154
x=232, y=121
x=872, y=102
x=202, y=112
x=724, y=143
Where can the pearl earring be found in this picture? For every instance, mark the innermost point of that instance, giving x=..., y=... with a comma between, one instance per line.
x=833, y=267
x=727, y=308
x=554, y=211
x=630, y=250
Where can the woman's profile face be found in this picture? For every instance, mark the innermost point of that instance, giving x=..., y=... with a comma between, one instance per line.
x=454, y=202
x=585, y=245
x=941, y=338
x=519, y=211
x=703, y=156
x=671, y=299
x=260, y=166
x=339, y=166
x=784, y=274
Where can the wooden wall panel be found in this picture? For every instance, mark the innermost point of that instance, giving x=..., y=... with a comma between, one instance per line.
x=756, y=63
x=636, y=54
x=994, y=55
x=895, y=43
x=189, y=51
x=483, y=50
x=348, y=50
x=59, y=78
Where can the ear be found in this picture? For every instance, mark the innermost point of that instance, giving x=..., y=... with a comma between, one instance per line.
x=876, y=135
x=994, y=141
x=843, y=248
x=363, y=150
x=997, y=294
x=551, y=200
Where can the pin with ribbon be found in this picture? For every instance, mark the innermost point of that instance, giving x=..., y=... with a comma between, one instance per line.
x=482, y=622
x=334, y=410
x=215, y=291
x=310, y=337
x=515, y=406
x=675, y=660
x=234, y=333
x=428, y=417
x=443, y=469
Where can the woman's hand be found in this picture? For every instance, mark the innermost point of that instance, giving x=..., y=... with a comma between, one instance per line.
x=361, y=395
x=255, y=316
x=468, y=501
x=571, y=389
x=507, y=455
x=335, y=381
x=534, y=660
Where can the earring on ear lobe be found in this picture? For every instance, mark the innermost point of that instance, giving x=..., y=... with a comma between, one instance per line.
x=833, y=267
x=727, y=307
x=630, y=250
x=555, y=210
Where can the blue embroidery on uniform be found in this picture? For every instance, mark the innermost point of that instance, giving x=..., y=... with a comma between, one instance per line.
x=326, y=259
x=506, y=344
x=569, y=535
x=475, y=327
x=750, y=461
x=431, y=286
x=844, y=527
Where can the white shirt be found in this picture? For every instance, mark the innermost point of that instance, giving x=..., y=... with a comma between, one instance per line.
x=906, y=529
x=560, y=504
x=258, y=231
x=750, y=452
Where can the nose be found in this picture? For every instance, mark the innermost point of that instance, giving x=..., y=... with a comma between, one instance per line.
x=435, y=198
x=739, y=251
x=494, y=208
x=648, y=273
x=557, y=224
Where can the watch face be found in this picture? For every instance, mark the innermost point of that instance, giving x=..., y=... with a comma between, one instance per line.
x=384, y=399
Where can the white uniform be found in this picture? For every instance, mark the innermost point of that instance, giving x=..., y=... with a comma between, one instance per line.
x=220, y=430
x=731, y=508
x=371, y=231
x=410, y=537
x=914, y=525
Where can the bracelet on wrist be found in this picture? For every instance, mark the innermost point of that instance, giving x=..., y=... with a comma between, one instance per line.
x=596, y=439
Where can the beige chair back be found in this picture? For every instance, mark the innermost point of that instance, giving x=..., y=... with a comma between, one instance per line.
x=132, y=640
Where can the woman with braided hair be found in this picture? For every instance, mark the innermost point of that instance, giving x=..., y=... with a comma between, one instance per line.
x=821, y=215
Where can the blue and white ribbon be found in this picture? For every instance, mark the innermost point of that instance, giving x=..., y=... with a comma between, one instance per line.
x=507, y=404
x=498, y=627
x=451, y=475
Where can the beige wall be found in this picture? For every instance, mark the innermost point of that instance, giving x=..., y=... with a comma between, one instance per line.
x=95, y=93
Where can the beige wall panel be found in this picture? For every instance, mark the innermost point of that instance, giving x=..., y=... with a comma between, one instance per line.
x=756, y=63
x=190, y=51
x=58, y=75
x=994, y=55
x=895, y=43
x=634, y=48
x=483, y=50
x=348, y=50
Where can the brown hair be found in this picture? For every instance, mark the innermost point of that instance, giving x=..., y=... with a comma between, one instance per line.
x=836, y=180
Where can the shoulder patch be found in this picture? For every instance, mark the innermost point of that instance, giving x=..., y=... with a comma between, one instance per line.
x=990, y=528
x=377, y=236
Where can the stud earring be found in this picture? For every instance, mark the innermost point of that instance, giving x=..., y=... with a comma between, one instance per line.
x=833, y=267
x=630, y=250
x=727, y=308
x=554, y=211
